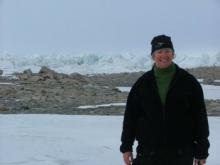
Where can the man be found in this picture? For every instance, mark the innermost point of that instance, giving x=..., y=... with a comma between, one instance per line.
x=166, y=114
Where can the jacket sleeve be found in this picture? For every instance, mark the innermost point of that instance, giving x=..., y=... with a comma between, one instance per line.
x=201, y=127
x=130, y=120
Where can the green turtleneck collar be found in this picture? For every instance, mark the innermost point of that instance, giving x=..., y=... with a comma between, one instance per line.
x=163, y=79
x=164, y=71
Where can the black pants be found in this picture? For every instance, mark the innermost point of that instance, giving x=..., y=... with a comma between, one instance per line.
x=166, y=156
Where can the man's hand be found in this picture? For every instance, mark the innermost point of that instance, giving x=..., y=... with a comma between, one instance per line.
x=128, y=158
x=199, y=161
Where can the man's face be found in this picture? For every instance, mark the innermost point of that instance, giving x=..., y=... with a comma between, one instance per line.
x=163, y=57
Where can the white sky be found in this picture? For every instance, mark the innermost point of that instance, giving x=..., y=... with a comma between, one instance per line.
x=105, y=26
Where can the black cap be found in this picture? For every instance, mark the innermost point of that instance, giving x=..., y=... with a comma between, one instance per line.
x=160, y=42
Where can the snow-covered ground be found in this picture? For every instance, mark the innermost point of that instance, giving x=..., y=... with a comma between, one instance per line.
x=101, y=105
x=6, y=83
x=59, y=140
x=71, y=140
x=211, y=92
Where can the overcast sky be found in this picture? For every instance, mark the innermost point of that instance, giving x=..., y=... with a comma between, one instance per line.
x=107, y=26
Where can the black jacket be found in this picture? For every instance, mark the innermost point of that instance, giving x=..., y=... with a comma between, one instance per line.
x=182, y=121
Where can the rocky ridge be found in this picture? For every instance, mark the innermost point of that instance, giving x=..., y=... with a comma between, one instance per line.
x=57, y=93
